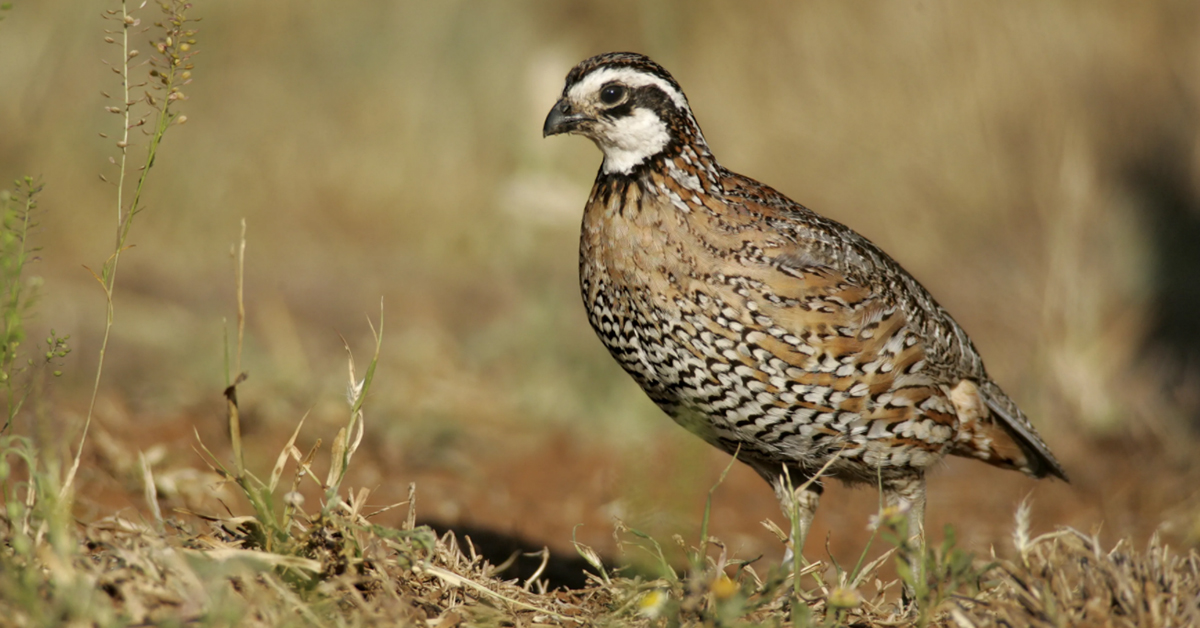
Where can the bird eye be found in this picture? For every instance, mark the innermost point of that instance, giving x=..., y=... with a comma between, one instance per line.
x=612, y=94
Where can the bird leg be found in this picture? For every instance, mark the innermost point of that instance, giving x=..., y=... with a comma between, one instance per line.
x=907, y=495
x=798, y=497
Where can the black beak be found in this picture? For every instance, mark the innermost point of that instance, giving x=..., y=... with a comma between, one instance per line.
x=561, y=119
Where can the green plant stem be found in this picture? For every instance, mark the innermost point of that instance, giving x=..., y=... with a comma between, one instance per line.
x=124, y=218
x=13, y=310
x=698, y=562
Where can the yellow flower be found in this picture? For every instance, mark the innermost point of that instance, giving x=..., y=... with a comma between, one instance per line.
x=844, y=598
x=723, y=588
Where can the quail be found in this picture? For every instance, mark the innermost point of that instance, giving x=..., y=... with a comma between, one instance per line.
x=770, y=331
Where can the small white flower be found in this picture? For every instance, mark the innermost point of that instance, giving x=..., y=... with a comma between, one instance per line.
x=890, y=517
x=651, y=603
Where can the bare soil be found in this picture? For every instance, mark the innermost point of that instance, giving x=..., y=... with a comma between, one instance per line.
x=534, y=490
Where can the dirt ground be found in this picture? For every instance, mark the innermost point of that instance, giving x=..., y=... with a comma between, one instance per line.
x=534, y=489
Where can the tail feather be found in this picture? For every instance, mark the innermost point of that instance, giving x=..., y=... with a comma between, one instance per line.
x=1038, y=457
x=1002, y=435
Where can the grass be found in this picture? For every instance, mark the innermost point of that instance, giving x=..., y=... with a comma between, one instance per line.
x=382, y=153
x=335, y=567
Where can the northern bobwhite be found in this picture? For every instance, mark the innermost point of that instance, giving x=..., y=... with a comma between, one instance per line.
x=762, y=326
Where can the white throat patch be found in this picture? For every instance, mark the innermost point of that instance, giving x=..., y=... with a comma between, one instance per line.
x=631, y=140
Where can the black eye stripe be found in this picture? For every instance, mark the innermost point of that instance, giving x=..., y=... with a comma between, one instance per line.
x=645, y=97
x=652, y=97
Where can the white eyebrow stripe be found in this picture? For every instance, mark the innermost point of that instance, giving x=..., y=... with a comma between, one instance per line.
x=629, y=76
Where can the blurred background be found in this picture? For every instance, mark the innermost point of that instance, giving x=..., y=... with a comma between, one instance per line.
x=1035, y=165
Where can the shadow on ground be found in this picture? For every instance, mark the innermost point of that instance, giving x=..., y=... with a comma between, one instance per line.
x=522, y=557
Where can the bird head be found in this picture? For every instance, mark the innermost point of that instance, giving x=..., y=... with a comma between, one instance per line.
x=629, y=106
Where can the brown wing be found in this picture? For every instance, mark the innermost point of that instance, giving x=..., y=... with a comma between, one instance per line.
x=907, y=346
x=855, y=341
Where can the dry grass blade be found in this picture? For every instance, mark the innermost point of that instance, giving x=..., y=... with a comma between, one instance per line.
x=337, y=458
x=209, y=457
x=410, y=520
x=384, y=509
x=869, y=569
x=240, y=285
x=235, y=424
x=545, y=554
x=289, y=451
x=150, y=491
x=456, y=580
x=350, y=437
x=259, y=557
x=1068, y=580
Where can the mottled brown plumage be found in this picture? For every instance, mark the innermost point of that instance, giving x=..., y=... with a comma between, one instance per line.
x=761, y=326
